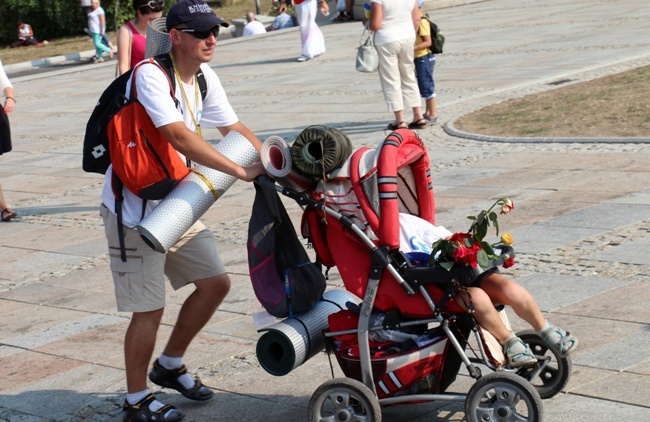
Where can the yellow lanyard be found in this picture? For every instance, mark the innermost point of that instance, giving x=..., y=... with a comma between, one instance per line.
x=187, y=102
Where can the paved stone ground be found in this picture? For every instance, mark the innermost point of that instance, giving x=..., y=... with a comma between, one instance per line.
x=581, y=223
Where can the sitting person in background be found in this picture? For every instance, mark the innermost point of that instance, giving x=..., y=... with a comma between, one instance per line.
x=253, y=27
x=25, y=35
x=282, y=20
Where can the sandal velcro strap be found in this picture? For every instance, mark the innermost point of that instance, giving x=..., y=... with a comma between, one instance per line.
x=140, y=412
x=565, y=344
x=518, y=358
x=168, y=378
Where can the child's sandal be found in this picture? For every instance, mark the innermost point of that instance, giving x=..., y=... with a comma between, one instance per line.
x=519, y=354
x=564, y=343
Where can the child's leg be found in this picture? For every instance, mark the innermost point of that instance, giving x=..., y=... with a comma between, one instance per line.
x=517, y=352
x=484, y=312
x=504, y=291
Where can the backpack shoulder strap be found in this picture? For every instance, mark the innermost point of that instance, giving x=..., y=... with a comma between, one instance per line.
x=166, y=63
x=170, y=79
x=203, y=84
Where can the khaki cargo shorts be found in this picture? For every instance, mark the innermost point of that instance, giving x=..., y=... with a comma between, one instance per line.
x=140, y=281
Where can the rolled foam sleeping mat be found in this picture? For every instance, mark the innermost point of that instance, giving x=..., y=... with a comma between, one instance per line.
x=289, y=343
x=193, y=196
x=158, y=41
x=319, y=150
x=276, y=159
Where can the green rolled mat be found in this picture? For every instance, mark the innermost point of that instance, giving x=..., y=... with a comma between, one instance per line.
x=318, y=150
x=290, y=343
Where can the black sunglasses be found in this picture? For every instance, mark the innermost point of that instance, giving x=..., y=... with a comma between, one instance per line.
x=200, y=34
x=154, y=5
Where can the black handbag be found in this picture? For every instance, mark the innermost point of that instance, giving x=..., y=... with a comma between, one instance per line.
x=5, y=132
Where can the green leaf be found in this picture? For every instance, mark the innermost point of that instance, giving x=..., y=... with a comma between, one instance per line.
x=482, y=259
x=471, y=217
x=495, y=221
x=481, y=230
x=487, y=248
x=446, y=265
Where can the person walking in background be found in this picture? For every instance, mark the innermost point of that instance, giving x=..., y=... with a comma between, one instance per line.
x=253, y=26
x=194, y=261
x=313, y=41
x=132, y=36
x=394, y=23
x=425, y=62
x=7, y=89
x=97, y=28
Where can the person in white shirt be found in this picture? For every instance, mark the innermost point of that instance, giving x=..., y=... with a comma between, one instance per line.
x=97, y=28
x=194, y=261
x=7, y=89
x=253, y=27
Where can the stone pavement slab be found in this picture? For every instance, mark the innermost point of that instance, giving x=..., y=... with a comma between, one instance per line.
x=580, y=222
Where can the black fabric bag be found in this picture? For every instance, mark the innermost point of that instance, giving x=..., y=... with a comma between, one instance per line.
x=285, y=281
x=5, y=132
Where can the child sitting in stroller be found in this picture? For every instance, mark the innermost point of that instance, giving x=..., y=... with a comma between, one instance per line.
x=489, y=291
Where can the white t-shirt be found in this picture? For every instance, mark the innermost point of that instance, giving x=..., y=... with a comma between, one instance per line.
x=253, y=28
x=397, y=23
x=4, y=80
x=94, y=21
x=153, y=93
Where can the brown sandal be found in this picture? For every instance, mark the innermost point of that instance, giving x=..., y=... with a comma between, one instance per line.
x=420, y=124
x=395, y=126
x=8, y=214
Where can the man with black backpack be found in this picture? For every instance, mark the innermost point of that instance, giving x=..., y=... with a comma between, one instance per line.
x=140, y=278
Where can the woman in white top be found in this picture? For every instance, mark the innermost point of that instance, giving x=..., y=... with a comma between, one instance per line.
x=97, y=28
x=313, y=41
x=6, y=214
x=395, y=23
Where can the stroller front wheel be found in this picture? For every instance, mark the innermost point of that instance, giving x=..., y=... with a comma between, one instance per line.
x=555, y=375
x=342, y=400
x=502, y=396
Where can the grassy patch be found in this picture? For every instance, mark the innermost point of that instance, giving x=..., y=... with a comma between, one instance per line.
x=612, y=106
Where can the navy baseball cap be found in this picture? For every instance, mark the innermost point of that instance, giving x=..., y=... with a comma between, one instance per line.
x=195, y=14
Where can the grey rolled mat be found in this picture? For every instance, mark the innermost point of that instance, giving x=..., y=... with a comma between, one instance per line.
x=188, y=201
x=158, y=41
x=290, y=343
x=276, y=159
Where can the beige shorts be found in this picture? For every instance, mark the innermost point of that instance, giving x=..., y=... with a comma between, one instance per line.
x=140, y=281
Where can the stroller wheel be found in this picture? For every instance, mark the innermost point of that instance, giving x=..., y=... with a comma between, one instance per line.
x=502, y=396
x=555, y=375
x=342, y=400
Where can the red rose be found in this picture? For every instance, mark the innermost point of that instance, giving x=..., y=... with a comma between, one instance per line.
x=509, y=262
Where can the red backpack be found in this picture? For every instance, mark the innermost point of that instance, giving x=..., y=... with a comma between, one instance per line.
x=143, y=159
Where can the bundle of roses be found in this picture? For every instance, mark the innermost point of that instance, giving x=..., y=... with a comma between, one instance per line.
x=470, y=249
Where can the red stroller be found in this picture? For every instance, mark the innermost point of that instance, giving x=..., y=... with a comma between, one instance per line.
x=352, y=221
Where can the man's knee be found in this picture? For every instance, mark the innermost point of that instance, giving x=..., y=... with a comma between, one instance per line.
x=217, y=286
